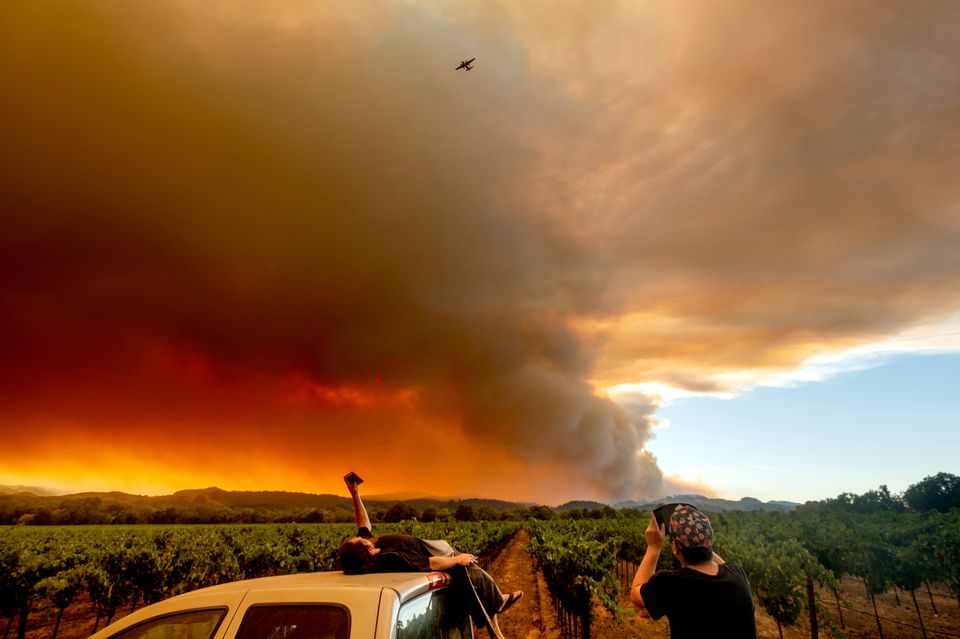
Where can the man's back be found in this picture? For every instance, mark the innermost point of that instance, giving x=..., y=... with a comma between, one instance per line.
x=698, y=605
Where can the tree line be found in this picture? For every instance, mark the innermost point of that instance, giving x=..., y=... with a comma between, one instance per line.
x=940, y=492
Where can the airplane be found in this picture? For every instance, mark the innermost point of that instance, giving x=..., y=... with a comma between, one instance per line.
x=465, y=64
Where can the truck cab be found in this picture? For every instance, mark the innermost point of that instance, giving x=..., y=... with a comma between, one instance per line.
x=323, y=605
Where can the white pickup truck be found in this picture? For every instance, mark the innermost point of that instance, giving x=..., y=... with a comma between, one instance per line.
x=322, y=605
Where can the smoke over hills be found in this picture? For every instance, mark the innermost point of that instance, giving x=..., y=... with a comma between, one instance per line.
x=251, y=242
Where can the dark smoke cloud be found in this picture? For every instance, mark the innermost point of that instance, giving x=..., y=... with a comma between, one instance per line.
x=260, y=199
x=212, y=207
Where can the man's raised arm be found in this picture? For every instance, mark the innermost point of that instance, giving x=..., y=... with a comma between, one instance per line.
x=363, y=519
x=654, y=534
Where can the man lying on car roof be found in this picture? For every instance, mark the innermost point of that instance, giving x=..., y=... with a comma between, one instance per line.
x=406, y=553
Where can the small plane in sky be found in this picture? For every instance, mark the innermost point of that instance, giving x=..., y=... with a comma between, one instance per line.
x=465, y=64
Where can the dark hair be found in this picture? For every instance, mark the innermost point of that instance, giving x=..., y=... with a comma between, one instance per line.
x=696, y=555
x=354, y=558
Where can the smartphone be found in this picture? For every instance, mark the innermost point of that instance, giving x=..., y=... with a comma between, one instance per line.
x=352, y=478
x=662, y=513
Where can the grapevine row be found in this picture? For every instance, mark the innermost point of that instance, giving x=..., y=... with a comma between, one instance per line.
x=577, y=560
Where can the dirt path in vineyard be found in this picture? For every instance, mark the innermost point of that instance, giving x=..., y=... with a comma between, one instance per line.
x=532, y=617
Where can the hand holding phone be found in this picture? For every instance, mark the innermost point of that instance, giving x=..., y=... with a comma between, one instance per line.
x=654, y=534
x=663, y=512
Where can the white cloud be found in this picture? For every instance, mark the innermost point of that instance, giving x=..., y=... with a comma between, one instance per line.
x=930, y=339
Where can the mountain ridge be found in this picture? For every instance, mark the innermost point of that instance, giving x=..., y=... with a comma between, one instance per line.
x=214, y=497
x=714, y=504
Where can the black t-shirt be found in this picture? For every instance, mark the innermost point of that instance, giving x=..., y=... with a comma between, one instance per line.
x=699, y=605
x=399, y=553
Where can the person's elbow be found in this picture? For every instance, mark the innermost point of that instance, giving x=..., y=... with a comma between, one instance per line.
x=636, y=598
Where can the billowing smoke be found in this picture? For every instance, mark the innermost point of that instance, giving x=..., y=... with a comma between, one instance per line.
x=229, y=194
x=298, y=228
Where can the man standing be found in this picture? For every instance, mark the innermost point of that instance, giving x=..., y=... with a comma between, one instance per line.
x=706, y=596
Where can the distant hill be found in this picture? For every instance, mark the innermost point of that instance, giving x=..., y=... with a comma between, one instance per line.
x=214, y=497
x=218, y=497
x=208, y=503
x=712, y=505
x=407, y=495
x=588, y=505
x=31, y=490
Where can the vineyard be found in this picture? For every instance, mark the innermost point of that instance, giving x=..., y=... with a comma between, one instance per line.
x=49, y=569
x=784, y=555
x=796, y=562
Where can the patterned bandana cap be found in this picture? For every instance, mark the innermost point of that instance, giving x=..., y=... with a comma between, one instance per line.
x=690, y=528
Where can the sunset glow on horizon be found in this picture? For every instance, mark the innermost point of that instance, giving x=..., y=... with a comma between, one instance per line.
x=256, y=247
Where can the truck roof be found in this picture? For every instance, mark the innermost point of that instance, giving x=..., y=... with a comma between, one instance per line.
x=406, y=584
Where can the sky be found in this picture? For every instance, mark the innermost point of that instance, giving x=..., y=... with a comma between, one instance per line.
x=851, y=433
x=640, y=249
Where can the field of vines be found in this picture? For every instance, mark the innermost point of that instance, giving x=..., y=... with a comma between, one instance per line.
x=51, y=568
x=783, y=554
x=585, y=563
